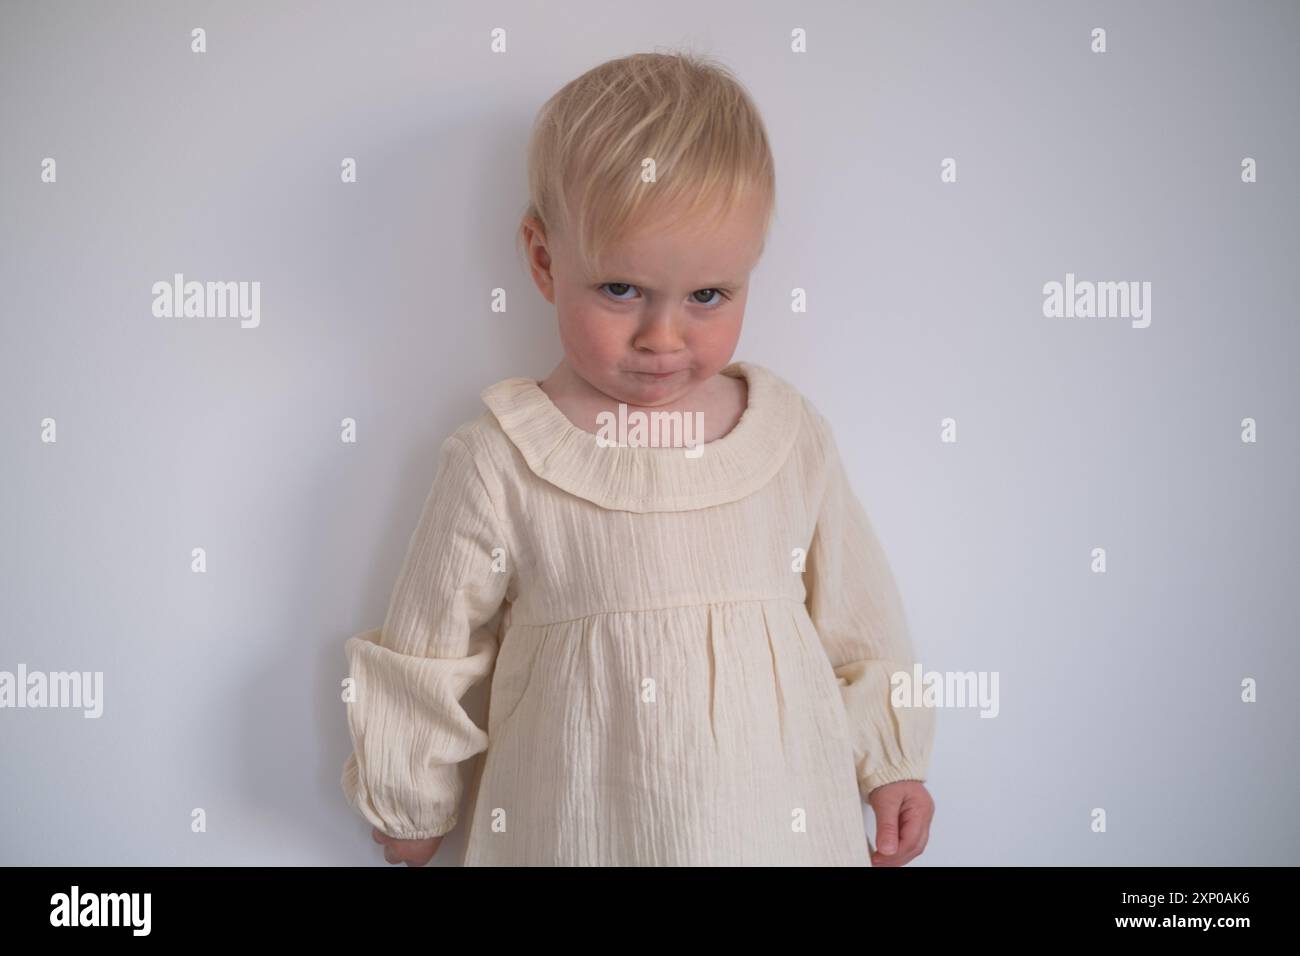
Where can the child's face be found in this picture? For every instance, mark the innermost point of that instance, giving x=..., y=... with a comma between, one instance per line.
x=666, y=301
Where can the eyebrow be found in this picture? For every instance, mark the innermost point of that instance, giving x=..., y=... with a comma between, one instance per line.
x=631, y=280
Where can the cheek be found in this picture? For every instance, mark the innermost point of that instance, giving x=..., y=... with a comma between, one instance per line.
x=714, y=343
x=723, y=332
x=589, y=332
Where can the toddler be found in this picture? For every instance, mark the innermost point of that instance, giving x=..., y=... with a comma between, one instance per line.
x=690, y=649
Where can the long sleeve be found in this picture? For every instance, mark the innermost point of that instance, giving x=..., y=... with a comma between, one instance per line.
x=855, y=606
x=439, y=638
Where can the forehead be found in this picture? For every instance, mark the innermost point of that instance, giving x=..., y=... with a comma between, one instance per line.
x=697, y=250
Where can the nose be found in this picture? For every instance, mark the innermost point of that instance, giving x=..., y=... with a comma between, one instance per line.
x=660, y=332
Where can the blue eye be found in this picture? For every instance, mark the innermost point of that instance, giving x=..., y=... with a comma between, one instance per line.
x=714, y=302
x=617, y=290
x=621, y=285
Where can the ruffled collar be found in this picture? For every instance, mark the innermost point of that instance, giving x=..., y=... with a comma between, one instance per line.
x=643, y=479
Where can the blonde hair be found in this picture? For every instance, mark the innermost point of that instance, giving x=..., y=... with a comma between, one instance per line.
x=686, y=112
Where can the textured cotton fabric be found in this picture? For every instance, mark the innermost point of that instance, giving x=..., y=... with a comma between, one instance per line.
x=690, y=657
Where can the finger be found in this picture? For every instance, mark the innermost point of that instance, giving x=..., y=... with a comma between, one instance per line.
x=894, y=859
x=887, y=827
x=390, y=855
x=913, y=825
x=898, y=858
x=377, y=836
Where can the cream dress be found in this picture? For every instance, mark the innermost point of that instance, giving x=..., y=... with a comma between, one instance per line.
x=690, y=657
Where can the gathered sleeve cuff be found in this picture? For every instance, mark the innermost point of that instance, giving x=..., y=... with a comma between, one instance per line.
x=439, y=638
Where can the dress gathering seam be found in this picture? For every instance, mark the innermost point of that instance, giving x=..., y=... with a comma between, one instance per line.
x=670, y=607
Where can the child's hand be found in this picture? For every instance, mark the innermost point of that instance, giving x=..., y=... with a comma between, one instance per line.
x=410, y=852
x=905, y=805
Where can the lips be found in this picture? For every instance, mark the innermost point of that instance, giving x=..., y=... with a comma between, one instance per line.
x=658, y=374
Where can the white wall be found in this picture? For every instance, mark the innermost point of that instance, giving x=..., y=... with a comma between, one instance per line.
x=1119, y=691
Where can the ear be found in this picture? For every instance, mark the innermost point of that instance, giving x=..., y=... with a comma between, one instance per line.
x=533, y=233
